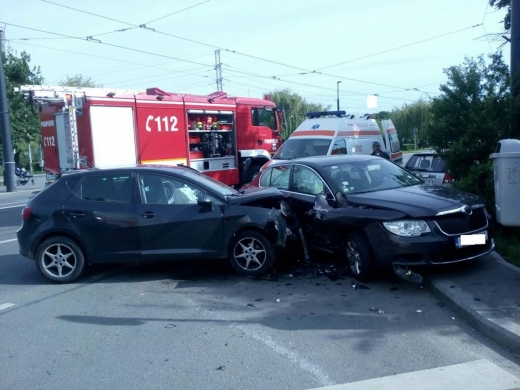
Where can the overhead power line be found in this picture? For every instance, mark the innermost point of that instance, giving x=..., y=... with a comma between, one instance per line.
x=144, y=26
x=113, y=59
x=399, y=47
x=89, y=39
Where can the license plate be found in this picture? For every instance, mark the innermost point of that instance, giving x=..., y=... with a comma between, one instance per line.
x=471, y=239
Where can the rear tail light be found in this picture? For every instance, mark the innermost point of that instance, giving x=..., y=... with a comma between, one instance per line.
x=448, y=178
x=26, y=213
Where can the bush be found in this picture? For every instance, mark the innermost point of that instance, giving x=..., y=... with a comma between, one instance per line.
x=479, y=180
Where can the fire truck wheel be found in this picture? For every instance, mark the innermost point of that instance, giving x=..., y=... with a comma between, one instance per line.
x=60, y=259
x=251, y=253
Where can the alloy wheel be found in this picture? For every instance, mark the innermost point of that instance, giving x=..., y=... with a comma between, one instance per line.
x=58, y=260
x=250, y=254
x=353, y=257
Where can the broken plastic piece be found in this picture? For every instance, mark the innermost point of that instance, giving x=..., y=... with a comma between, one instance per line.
x=419, y=311
x=408, y=275
x=278, y=300
x=373, y=308
x=381, y=311
x=360, y=287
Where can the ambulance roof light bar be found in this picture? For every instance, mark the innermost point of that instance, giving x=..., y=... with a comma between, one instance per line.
x=319, y=114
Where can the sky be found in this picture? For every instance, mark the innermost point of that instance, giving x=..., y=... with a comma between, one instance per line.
x=306, y=46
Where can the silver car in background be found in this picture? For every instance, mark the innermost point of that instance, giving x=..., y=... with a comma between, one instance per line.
x=429, y=167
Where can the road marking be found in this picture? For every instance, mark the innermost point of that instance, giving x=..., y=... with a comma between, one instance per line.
x=13, y=207
x=6, y=306
x=5, y=204
x=6, y=241
x=20, y=191
x=478, y=374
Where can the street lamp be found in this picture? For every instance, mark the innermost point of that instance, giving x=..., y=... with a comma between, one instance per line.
x=337, y=87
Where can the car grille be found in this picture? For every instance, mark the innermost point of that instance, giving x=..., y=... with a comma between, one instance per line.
x=461, y=223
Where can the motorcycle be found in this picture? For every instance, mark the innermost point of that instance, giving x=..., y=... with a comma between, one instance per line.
x=22, y=176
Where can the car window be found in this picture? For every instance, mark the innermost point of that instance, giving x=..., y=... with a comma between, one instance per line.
x=367, y=176
x=339, y=147
x=106, y=188
x=426, y=162
x=298, y=148
x=306, y=181
x=394, y=143
x=164, y=189
x=265, y=179
x=280, y=177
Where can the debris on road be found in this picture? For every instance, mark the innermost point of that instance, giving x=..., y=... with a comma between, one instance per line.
x=373, y=308
x=250, y=304
x=419, y=311
x=220, y=368
x=408, y=275
x=259, y=299
x=278, y=300
x=360, y=287
x=381, y=311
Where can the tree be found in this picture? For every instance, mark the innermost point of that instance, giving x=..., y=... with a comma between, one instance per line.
x=410, y=116
x=470, y=116
x=500, y=4
x=23, y=117
x=295, y=108
x=79, y=80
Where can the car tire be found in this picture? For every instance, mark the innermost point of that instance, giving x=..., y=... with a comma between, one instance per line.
x=359, y=257
x=251, y=253
x=60, y=259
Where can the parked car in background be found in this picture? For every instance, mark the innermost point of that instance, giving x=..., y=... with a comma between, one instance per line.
x=149, y=213
x=430, y=167
x=374, y=214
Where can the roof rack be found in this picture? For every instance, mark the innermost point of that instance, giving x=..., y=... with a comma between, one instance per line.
x=325, y=113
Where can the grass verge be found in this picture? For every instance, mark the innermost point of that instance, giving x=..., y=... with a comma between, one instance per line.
x=507, y=242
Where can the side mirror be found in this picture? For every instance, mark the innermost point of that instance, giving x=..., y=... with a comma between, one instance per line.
x=205, y=202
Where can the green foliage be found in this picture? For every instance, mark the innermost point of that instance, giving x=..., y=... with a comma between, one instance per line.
x=471, y=115
x=295, y=108
x=24, y=118
x=499, y=4
x=79, y=80
x=410, y=116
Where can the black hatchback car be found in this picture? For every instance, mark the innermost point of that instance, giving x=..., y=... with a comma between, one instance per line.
x=375, y=213
x=149, y=213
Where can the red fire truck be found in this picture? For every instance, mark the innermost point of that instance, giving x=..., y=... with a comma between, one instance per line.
x=227, y=138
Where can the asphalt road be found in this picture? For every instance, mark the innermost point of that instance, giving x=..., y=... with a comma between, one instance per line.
x=194, y=326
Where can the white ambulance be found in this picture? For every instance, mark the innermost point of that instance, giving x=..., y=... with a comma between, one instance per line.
x=335, y=132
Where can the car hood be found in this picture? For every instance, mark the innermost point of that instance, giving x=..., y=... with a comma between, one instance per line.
x=256, y=194
x=421, y=200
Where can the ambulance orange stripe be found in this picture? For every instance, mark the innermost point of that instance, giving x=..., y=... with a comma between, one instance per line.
x=391, y=131
x=312, y=132
x=358, y=132
x=395, y=155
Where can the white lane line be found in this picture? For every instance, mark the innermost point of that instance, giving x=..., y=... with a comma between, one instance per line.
x=6, y=306
x=5, y=204
x=6, y=241
x=478, y=374
x=13, y=207
x=19, y=191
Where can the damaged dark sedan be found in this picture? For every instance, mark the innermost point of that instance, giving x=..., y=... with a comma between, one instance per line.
x=376, y=214
x=149, y=213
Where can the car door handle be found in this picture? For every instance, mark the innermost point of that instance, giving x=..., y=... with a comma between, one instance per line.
x=77, y=214
x=148, y=214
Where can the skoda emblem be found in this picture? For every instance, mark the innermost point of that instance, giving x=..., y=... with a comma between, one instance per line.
x=467, y=210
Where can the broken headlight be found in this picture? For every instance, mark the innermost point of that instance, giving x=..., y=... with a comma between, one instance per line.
x=407, y=228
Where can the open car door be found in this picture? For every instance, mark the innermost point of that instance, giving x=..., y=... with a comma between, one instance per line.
x=393, y=147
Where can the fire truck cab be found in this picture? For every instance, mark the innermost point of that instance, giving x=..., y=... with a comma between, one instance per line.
x=227, y=138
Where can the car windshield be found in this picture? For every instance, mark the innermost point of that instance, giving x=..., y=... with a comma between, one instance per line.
x=302, y=147
x=214, y=185
x=426, y=163
x=369, y=176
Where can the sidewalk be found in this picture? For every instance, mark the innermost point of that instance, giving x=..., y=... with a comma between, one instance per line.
x=486, y=293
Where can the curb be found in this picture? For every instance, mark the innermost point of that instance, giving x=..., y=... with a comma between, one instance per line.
x=490, y=322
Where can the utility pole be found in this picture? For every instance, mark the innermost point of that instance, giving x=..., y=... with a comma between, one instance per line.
x=7, y=144
x=218, y=70
x=2, y=40
x=515, y=62
x=337, y=95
